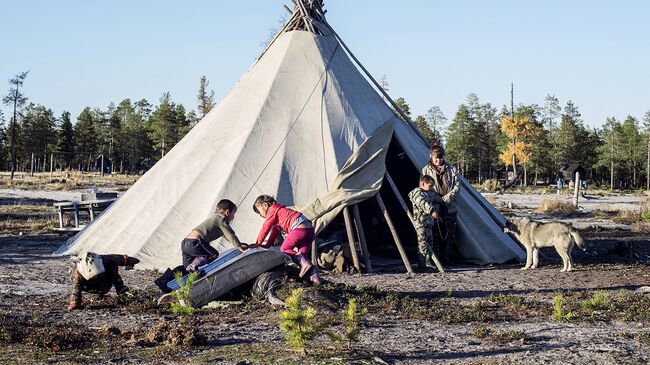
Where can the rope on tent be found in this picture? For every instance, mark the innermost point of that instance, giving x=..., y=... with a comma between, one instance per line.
x=290, y=126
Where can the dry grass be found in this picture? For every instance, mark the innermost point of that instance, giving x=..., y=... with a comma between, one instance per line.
x=555, y=206
x=67, y=180
x=490, y=185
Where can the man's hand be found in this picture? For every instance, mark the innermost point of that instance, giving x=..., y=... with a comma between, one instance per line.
x=435, y=215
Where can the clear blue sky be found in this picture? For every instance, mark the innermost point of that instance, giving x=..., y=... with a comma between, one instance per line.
x=80, y=53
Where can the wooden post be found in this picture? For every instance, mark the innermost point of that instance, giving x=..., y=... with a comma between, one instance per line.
x=408, y=213
x=393, y=231
x=51, y=165
x=353, y=248
x=362, y=237
x=76, y=215
x=31, y=169
x=314, y=253
x=576, y=190
x=102, y=165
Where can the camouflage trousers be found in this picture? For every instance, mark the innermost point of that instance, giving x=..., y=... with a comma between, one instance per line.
x=425, y=241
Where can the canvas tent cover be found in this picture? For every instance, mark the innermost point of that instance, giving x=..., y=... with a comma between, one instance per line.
x=302, y=124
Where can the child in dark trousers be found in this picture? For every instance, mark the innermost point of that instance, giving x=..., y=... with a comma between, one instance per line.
x=300, y=233
x=97, y=274
x=197, y=242
x=195, y=247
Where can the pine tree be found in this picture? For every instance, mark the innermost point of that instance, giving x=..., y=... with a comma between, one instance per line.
x=566, y=146
x=206, y=101
x=457, y=137
x=436, y=120
x=85, y=136
x=161, y=125
x=403, y=106
x=646, y=127
x=610, y=152
x=38, y=135
x=633, y=143
x=422, y=125
x=298, y=323
x=65, y=139
x=17, y=99
x=4, y=152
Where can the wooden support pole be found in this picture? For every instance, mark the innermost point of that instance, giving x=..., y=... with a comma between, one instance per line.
x=314, y=253
x=408, y=213
x=31, y=169
x=305, y=16
x=393, y=231
x=362, y=237
x=576, y=190
x=353, y=248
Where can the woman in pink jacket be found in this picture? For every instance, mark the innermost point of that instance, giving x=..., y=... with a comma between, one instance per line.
x=300, y=232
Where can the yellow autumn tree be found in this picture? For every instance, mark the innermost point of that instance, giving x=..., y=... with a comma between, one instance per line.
x=516, y=129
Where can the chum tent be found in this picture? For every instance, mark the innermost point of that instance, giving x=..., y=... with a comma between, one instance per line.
x=302, y=124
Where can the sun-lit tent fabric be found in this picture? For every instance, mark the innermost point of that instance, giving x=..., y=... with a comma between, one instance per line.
x=303, y=125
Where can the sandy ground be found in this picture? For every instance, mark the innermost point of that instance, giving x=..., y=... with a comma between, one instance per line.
x=426, y=318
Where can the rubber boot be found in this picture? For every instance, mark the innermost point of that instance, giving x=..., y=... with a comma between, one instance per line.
x=120, y=288
x=421, y=264
x=430, y=264
x=305, y=265
x=162, y=281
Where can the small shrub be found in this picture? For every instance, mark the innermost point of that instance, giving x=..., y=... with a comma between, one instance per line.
x=352, y=320
x=182, y=294
x=599, y=301
x=505, y=299
x=558, y=309
x=554, y=206
x=481, y=331
x=298, y=323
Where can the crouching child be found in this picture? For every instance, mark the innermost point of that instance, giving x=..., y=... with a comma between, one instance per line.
x=96, y=274
x=196, y=249
x=425, y=212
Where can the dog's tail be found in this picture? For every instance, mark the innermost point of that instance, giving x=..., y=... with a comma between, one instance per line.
x=576, y=237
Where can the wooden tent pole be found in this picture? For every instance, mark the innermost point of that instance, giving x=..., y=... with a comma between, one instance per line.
x=362, y=237
x=393, y=231
x=314, y=253
x=408, y=212
x=353, y=248
x=284, y=27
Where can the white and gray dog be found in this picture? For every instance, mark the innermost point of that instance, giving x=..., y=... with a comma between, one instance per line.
x=533, y=235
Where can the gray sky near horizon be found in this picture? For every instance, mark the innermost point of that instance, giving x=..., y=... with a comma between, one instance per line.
x=89, y=53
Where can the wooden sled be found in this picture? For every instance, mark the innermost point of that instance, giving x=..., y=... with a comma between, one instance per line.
x=232, y=269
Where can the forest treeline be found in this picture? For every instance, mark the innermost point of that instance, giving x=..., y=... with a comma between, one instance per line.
x=482, y=140
x=540, y=140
